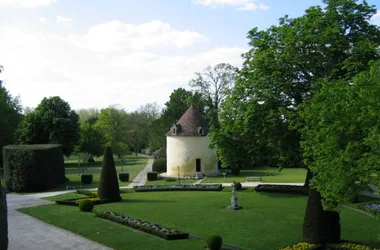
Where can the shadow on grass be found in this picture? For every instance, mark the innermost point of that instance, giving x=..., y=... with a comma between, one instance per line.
x=144, y=201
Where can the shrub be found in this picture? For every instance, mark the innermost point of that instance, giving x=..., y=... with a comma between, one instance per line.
x=151, y=176
x=235, y=171
x=214, y=242
x=86, y=178
x=3, y=219
x=159, y=165
x=124, y=177
x=183, y=187
x=159, y=153
x=33, y=168
x=86, y=205
x=238, y=185
x=108, y=189
x=291, y=189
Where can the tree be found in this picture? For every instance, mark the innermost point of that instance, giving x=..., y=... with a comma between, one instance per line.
x=10, y=113
x=52, y=116
x=108, y=189
x=340, y=135
x=179, y=101
x=91, y=140
x=90, y=114
x=285, y=67
x=214, y=84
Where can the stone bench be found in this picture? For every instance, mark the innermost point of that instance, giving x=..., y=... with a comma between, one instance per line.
x=254, y=178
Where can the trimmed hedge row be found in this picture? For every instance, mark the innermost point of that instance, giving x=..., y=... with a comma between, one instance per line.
x=86, y=178
x=33, y=168
x=124, y=177
x=75, y=202
x=291, y=189
x=151, y=176
x=184, y=187
x=344, y=245
x=92, y=194
x=144, y=226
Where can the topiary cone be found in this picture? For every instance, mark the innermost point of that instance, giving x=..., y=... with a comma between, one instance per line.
x=3, y=219
x=108, y=189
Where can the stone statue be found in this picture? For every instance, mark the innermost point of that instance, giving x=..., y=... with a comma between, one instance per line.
x=234, y=205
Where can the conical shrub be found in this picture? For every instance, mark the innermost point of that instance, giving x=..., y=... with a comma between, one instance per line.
x=319, y=226
x=108, y=189
x=3, y=219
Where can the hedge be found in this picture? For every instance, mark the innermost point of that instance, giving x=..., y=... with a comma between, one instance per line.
x=3, y=219
x=151, y=176
x=144, y=226
x=159, y=165
x=86, y=178
x=33, y=168
x=124, y=177
x=184, y=187
x=291, y=189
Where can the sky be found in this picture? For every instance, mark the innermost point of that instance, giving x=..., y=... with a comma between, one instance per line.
x=97, y=53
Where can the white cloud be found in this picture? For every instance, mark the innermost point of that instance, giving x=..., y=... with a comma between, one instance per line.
x=42, y=19
x=241, y=5
x=376, y=18
x=61, y=19
x=26, y=3
x=116, y=35
x=40, y=65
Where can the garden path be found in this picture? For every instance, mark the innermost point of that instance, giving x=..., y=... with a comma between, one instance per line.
x=140, y=179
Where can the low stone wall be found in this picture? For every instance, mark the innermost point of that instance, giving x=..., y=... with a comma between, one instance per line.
x=3, y=219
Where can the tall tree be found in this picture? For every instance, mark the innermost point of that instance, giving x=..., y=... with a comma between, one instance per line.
x=10, y=113
x=53, y=117
x=285, y=67
x=91, y=140
x=214, y=84
x=88, y=114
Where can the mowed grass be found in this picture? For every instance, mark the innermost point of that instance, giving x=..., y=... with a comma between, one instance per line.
x=132, y=165
x=267, y=221
x=287, y=175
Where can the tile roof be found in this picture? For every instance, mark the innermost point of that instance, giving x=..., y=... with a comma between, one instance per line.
x=189, y=124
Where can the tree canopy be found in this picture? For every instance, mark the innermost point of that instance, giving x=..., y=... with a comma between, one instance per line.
x=53, y=116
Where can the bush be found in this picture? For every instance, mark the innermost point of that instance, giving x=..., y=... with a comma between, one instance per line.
x=291, y=189
x=235, y=171
x=159, y=165
x=238, y=186
x=108, y=189
x=151, y=176
x=159, y=153
x=214, y=242
x=86, y=205
x=86, y=178
x=33, y=168
x=3, y=219
x=124, y=177
x=182, y=187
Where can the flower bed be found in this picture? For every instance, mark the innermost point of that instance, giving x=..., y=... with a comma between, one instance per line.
x=183, y=187
x=88, y=193
x=75, y=202
x=372, y=208
x=292, y=189
x=344, y=245
x=144, y=226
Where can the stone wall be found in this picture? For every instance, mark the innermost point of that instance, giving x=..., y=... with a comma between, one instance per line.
x=3, y=219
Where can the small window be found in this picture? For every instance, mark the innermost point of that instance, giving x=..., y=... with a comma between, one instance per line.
x=174, y=129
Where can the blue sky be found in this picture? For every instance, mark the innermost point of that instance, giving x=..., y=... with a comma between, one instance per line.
x=96, y=53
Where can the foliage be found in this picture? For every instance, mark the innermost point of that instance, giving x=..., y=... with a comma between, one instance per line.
x=144, y=226
x=88, y=115
x=93, y=194
x=3, y=219
x=33, y=168
x=91, y=139
x=214, y=83
x=281, y=70
x=341, y=134
x=86, y=178
x=10, y=113
x=86, y=205
x=159, y=165
x=182, y=187
x=372, y=208
x=108, y=189
x=290, y=189
x=320, y=227
x=214, y=242
x=238, y=186
x=299, y=246
x=151, y=176
x=52, y=121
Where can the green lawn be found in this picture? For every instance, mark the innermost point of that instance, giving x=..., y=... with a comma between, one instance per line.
x=133, y=165
x=268, y=221
x=287, y=175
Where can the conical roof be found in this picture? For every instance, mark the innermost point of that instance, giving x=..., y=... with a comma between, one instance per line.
x=190, y=124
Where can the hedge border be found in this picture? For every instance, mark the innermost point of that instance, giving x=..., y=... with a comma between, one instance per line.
x=290, y=189
x=183, y=187
x=115, y=217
